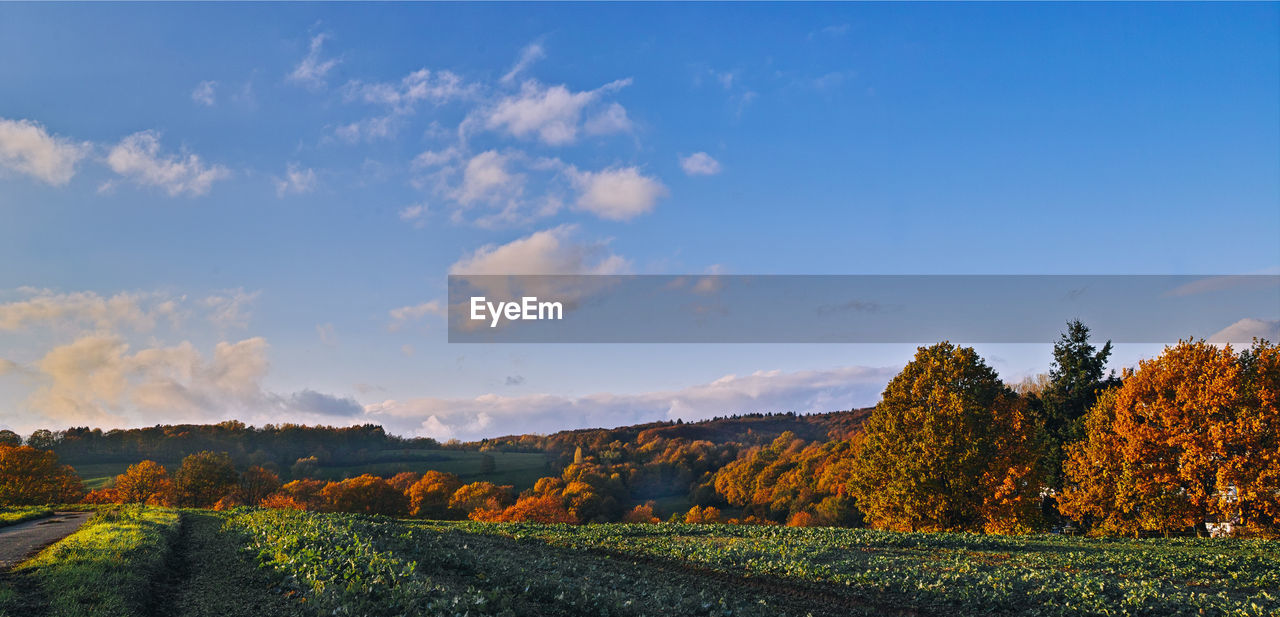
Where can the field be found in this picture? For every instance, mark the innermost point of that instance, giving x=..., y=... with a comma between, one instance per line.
x=519, y=469
x=134, y=561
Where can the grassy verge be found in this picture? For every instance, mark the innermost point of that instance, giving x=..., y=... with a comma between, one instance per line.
x=18, y=514
x=105, y=569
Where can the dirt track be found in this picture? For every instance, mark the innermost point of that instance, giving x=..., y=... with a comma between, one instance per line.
x=18, y=542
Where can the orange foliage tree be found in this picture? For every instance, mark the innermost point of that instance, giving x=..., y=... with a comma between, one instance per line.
x=33, y=477
x=147, y=481
x=481, y=499
x=1190, y=436
x=531, y=508
x=949, y=447
x=429, y=495
x=366, y=494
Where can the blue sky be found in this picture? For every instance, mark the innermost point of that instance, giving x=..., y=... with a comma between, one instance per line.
x=248, y=210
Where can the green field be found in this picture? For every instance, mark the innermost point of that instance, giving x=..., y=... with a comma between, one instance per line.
x=519, y=469
x=135, y=561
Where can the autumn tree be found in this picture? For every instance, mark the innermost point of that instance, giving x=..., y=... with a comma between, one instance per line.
x=10, y=438
x=429, y=496
x=531, y=508
x=480, y=496
x=1189, y=437
x=256, y=483
x=142, y=482
x=29, y=476
x=305, y=493
x=203, y=479
x=643, y=513
x=1077, y=375
x=699, y=515
x=365, y=494
x=949, y=447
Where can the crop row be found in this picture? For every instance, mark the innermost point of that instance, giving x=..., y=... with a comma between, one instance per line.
x=964, y=573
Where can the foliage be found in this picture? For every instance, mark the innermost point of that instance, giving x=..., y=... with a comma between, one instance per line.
x=1076, y=377
x=256, y=483
x=1191, y=436
x=142, y=483
x=429, y=496
x=203, y=479
x=949, y=447
x=364, y=494
x=29, y=476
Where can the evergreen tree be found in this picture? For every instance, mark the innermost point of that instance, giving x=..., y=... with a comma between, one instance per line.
x=1075, y=379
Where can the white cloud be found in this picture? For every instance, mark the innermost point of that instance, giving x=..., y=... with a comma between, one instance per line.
x=422, y=85
x=138, y=158
x=230, y=308
x=415, y=214
x=312, y=71
x=95, y=380
x=1244, y=331
x=619, y=194
x=84, y=309
x=551, y=251
x=369, y=129
x=205, y=94
x=27, y=148
x=486, y=178
x=700, y=164
x=296, y=181
x=406, y=314
x=435, y=158
x=530, y=54
x=612, y=120
x=491, y=415
x=550, y=113
x=328, y=336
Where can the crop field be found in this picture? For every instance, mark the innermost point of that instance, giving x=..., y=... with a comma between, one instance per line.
x=152, y=561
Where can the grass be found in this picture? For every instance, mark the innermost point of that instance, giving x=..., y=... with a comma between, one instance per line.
x=213, y=577
x=105, y=569
x=17, y=514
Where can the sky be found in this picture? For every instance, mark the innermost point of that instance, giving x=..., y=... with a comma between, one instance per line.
x=249, y=211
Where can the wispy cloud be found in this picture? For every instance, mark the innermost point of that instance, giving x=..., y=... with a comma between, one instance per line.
x=205, y=93
x=619, y=194
x=27, y=148
x=313, y=70
x=296, y=181
x=138, y=158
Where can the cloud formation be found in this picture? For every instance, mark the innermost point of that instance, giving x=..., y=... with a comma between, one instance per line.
x=204, y=93
x=95, y=380
x=138, y=158
x=296, y=181
x=550, y=251
x=27, y=148
x=699, y=164
x=406, y=314
x=491, y=415
x=1244, y=331
x=313, y=70
x=618, y=194
x=552, y=114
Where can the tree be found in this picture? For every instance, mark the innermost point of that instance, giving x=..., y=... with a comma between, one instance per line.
x=703, y=515
x=142, y=482
x=480, y=496
x=29, y=476
x=949, y=447
x=10, y=438
x=203, y=479
x=1076, y=377
x=256, y=483
x=1190, y=436
x=531, y=508
x=429, y=496
x=365, y=494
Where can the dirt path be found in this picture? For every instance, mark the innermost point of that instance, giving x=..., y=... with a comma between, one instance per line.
x=18, y=542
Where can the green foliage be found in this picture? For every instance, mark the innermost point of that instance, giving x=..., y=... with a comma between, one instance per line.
x=947, y=448
x=204, y=478
x=1077, y=375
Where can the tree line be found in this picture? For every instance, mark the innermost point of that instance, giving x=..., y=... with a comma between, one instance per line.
x=1185, y=440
